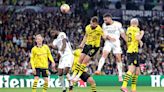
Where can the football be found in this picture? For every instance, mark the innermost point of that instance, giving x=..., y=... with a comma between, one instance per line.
x=65, y=8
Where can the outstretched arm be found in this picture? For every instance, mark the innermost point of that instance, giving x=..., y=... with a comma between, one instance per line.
x=140, y=35
x=123, y=35
x=83, y=41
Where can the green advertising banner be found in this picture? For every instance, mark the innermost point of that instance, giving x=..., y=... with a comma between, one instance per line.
x=113, y=81
x=21, y=81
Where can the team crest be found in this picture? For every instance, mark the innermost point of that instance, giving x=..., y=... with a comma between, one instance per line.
x=92, y=51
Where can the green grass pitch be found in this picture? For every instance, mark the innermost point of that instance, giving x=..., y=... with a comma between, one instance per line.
x=87, y=89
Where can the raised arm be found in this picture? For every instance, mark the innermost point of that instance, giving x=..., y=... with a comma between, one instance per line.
x=139, y=35
x=123, y=35
x=83, y=41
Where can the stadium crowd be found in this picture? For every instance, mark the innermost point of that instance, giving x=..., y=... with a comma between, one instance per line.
x=18, y=30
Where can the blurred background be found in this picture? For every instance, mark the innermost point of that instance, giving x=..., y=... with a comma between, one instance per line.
x=21, y=20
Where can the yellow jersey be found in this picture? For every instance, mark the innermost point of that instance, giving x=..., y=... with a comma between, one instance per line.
x=40, y=56
x=76, y=54
x=93, y=35
x=132, y=42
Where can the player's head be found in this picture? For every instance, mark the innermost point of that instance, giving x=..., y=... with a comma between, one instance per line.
x=134, y=22
x=54, y=33
x=94, y=22
x=107, y=18
x=39, y=39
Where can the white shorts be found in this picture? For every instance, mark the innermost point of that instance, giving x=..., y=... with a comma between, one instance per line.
x=66, y=61
x=114, y=47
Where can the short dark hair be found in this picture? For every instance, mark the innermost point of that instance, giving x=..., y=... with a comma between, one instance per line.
x=94, y=19
x=107, y=15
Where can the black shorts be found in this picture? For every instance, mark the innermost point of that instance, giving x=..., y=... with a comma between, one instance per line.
x=133, y=59
x=90, y=50
x=84, y=76
x=43, y=72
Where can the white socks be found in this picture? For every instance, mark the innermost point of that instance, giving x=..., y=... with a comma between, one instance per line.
x=61, y=80
x=119, y=67
x=101, y=63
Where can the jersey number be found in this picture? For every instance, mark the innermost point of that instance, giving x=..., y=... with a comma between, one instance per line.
x=129, y=37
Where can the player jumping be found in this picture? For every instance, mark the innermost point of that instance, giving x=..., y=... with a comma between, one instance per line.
x=85, y=76
x=66, y=56
x=90, y=45
x=112, y=31
x=39, y=62
x=134, y=36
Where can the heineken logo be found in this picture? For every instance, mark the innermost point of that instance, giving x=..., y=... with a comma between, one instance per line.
x=157, y=81
x=7, y=82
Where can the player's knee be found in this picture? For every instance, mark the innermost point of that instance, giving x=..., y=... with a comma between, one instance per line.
x=131, y=69
x=118, y=57
x=46, y=79
x=66, y=70
x=91, y=81
x=105, y=54
x=86, y=59
x=81, y=58
x=137, y=72
x=60, y=73
x=36, y=78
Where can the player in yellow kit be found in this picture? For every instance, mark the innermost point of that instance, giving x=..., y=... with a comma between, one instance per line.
x=39, y=62
x=90, y=45
x=134, y=36
x=85, y=76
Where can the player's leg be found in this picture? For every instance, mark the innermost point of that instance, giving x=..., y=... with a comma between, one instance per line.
x=127, y=77
x=135, y=75
x=45, y=74
x=61, y=79
x=82, y=68
x=102, y=61
x=77, y=67
x=67, y=74
x=134, y=79
x=82, y=56
x=91, y=52
x=87, y=78
x=119, y=66
x=106, y=49
x=61, y=67
x=117, y=52
x=36, y=78
x=86, y=60
x=92, y=83
x=131, y=69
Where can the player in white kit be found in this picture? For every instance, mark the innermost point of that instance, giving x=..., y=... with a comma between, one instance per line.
x=66, y=56
x=112, y=30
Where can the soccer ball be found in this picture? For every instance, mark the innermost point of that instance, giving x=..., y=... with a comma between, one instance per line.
x=64, y=8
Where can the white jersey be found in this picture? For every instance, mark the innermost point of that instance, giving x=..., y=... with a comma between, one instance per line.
x=58, y=42
x=114, y=30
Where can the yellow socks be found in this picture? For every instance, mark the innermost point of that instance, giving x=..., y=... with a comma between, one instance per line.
x=77, y=68
x=93, y=88
x=45, y=86
x=81, y=70
x=34, y=85
x=126, y=79
x=134, y=82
